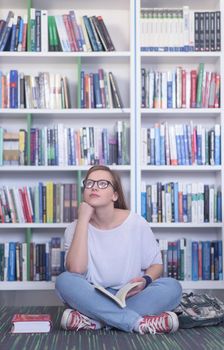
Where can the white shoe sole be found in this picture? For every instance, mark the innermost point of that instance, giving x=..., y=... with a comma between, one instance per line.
x=65, y=317
x=175, y=321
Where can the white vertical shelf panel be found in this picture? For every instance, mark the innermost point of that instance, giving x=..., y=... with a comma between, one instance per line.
x=138, y=109
x=222, y=122
x=132, y=106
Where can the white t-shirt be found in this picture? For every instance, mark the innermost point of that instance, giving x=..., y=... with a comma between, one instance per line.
x=117, y=255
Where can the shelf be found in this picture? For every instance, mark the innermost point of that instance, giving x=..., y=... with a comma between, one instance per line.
x=193, y=54
x=167, y=57
x=188, y=168
x=55, y=168
x=64, y=55
x=202, y=284
x=79, y=4
x=196, y=5
x=183, y=225
x=33, y=225
x=51, y=286
x=72, y=112
x=27, y=285
x=188, y=112
x=68, y=57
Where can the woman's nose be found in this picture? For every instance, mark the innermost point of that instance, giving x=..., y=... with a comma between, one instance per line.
x=95, y=186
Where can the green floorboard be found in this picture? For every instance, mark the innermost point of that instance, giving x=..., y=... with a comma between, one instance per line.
x=204, y=338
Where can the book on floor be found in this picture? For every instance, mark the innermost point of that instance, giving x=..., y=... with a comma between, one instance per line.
x=28, y=323
x=121, y=294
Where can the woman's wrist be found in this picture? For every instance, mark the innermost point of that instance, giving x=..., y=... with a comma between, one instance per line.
x=147, y=279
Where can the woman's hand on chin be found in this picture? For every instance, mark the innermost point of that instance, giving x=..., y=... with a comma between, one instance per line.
x=85, y=211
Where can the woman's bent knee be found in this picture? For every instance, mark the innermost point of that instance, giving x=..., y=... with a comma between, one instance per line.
x=65, y=279
x=173, y=285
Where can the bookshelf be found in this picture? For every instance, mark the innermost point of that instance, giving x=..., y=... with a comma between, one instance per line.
x=118, y=18
x=123, y=22
x=148, y=117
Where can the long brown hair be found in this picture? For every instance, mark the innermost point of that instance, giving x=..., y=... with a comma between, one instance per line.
x=120, y=202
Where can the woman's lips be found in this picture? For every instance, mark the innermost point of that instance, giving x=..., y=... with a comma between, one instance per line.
x=94, y=195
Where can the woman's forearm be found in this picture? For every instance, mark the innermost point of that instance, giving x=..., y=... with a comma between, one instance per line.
x=154, y=271
x=77, y=257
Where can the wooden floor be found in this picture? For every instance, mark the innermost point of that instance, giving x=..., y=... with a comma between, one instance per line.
x=206, y=338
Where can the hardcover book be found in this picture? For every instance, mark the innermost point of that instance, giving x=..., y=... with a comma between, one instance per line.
x=28, y=323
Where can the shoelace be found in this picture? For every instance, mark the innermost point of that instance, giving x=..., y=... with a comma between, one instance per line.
x=154, y=324
x=80, y=322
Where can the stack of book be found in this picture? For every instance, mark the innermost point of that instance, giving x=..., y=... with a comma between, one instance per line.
x=46, y=260
x=178, y=202
x=100, y=90
x=13, y=33
x=180, y=88
x=181, y=144
x=54, y=33
x=185, y=259
x=44, y=90
x=43, y=203
x=180, y=29
x=66, y=146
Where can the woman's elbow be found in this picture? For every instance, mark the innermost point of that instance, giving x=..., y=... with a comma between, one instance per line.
x=75, y=269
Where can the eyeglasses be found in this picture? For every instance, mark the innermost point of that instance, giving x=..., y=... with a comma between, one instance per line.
x=102, y=184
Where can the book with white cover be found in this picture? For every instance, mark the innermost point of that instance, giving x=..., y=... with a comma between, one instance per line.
x=121, y=294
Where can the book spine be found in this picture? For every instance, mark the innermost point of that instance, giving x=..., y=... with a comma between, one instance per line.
x=194, y=264
x=218, y=31
x=5, y=33
x=106, y=34
x=115, y=92
x=13, y=35
x=44, y=31
x=32, y=29
x=13, y=89
x=95, y=33
x=90, y=33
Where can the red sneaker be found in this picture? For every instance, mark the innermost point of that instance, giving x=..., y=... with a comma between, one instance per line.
x=166, y=322
x=73, y=320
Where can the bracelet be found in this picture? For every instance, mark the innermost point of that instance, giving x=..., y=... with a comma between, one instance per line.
x=148, y=280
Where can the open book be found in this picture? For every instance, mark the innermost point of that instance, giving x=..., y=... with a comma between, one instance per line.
x=121, y=294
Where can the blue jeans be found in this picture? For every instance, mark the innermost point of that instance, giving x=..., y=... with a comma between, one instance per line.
x=163, y=294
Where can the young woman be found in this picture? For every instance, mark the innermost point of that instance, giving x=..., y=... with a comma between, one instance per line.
x=110, y=246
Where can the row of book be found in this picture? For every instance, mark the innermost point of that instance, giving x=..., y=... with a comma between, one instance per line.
x=45, y=90
x=64, y=146
x=42, y=203
x=51, y=91
x=181, y=144
x=185, y=259
x=181, y=202
x=180, y=88
x=100, y=90
x=45, y=264
x=54, y=33
x=180, y=29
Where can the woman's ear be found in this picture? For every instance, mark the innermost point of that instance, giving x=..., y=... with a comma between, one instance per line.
x=115, y=196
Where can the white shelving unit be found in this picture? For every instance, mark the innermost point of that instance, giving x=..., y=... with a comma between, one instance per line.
x=123, y=21
x=118, y=17
x=148, y=117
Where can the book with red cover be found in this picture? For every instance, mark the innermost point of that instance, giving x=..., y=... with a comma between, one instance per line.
x=29, y=323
